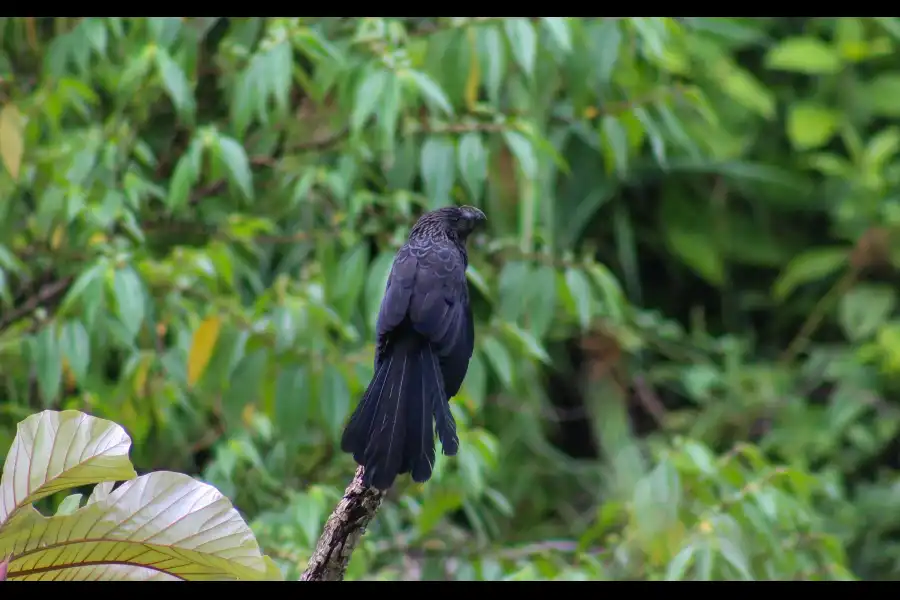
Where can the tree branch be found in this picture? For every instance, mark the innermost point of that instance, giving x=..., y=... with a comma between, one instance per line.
x=46, y=293
x=342, y=531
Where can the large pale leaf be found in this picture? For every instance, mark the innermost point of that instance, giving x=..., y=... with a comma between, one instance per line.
x=55, y=451
x=161, y=526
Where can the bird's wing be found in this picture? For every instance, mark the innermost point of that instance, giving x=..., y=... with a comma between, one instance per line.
x=427, y=284
x=439, y=310
x=397, y=295
x=455, y=364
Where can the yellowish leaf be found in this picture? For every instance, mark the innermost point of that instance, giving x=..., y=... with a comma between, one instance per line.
x=202, y=347
x=474, y=78
x=11, y=143
x=68, y=376
x=140, y=376
x=247, y=414
x=57, y=239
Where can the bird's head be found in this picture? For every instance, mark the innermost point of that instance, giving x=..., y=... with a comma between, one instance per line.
x=457, y=220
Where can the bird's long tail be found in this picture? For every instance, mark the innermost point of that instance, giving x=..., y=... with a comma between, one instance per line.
x=391, y=431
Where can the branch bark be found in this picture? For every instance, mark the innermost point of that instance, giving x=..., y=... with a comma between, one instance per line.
x=342, y=531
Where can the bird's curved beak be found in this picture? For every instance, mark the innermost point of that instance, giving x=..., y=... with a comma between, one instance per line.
x=474, y=214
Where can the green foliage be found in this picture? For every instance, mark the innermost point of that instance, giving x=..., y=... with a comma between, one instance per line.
x=687, y=339
x=161, y=526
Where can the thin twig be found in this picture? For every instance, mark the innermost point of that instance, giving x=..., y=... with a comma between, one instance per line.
x=818, y=313
x=47, y=293
x=342, y=531
x=649, y=400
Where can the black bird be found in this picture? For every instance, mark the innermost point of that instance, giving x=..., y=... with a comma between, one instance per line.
x=425, y=337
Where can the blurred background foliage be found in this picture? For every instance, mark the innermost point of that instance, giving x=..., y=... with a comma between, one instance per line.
x=688, y=344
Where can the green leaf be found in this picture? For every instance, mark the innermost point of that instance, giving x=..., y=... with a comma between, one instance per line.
x=696, y=249
x=611, y=294
x=282, y=320
x=651, y=32
x=559, y=29
x=310, y=513
x=75, y=345
x=389, y=114
x=379, y=270
x=431, y=91
x=735, y=556
x=238, y=165
x=5, y=291
x=438, y=166
x=882, y=93
x=809, y=266
x=513, y=288
x=830, y=164
x=499, y=358
x=811, y=125
x=532, y=347
x=437, y=506
x=749, y=92
x=476, y=278
x=349, y=280
x=69, y=505
x=245, y=384
x=679, y=565
x=864, y=309
x=177, y=85
x=580, y=289
x=335, y=400
x=492, y=60
x=615, y=145
x=246, y=98
x=129, y=294
x=882, y=147
x=96, y=34
x=804, y=55
x=605, y=43
x=542, y=300
x=473, y=163
x=92, y=295
x=183, y=179
x=368, y=95
x=161, y=526
x=522, y=41
x=475, y=383
x=523, y=150
x=48, y=363
x=291, y=399
x=54, y=451
x=471, y=467
x=89, y=276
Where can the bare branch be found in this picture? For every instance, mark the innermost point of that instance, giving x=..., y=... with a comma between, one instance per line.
x=342, y=531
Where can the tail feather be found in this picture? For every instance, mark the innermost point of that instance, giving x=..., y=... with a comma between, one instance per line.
x=444, y=421
x=391, y=432
x=419, y=459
